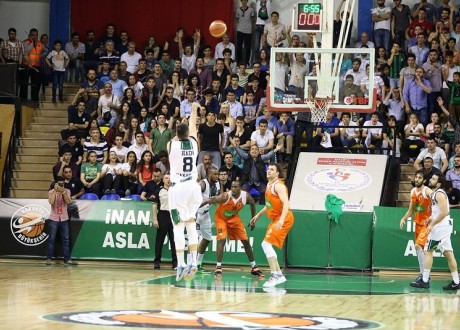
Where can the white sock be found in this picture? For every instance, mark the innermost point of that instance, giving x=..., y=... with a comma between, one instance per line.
x=426, y=275
x=455, y=277
x=253, y=264
x=199, y=259
x=180, y=259
x=193, y=253
x=278, y=273
x=179, y=239
x=219, y=264
x=421, y=260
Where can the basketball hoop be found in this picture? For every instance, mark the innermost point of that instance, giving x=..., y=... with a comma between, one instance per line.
x=319, y=107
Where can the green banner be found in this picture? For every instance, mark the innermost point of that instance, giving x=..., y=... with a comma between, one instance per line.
x=351, y=241
x=308, y=242
x=121, y=230
x=317, y=242
x=394, y=248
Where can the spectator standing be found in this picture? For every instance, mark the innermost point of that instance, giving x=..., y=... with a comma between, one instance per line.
x=91, y=51
x=263, y=13
x=12, y=49
x=420, y=50
x=400, y=21
x=76, y=51
x=433, y=74
x=245, y=17
x=58, y=60
x=34, y=50
x=211, y=139
x=415, y=95
x=381, y=16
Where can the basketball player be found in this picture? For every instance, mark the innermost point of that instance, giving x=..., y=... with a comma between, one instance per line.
x=439, y=228
x=228, y=223
x=420, y=206
x=209, y=187
x=185, y=193
x=278, y=210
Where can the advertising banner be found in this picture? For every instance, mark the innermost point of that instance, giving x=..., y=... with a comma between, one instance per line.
x=394, y=248
x=355, y=178
x=315, y=241
x=110, y=230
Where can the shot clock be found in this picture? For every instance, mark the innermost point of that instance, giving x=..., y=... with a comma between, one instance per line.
x=307, y=17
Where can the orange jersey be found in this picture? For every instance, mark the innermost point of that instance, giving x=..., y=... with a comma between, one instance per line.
x=422, y=205
x=232, y=206
x=273, y=202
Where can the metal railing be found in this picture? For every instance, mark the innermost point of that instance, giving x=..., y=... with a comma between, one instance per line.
x=7, y=174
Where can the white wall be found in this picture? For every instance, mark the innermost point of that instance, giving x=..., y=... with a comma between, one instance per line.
x=24, y=15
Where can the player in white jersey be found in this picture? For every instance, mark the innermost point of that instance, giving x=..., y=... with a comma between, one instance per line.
x=185, y=193
x=439, y=229
x=209, y=187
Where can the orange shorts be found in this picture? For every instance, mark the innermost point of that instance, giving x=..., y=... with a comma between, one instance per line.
x=277, y=237
x=233, y=228
x=419, y=229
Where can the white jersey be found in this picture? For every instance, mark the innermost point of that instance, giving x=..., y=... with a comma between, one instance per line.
x=435, y=208
x=209, y=192
x=182, y=159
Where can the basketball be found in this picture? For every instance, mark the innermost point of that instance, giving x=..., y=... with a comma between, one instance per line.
x=37, y=224
x=217, y=29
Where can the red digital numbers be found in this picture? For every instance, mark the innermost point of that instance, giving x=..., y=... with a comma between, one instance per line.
x=310, y=19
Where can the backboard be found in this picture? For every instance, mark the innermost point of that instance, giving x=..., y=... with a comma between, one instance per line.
x=298, y=75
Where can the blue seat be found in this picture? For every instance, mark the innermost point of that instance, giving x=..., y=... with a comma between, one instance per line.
x=110, y=197
x=134, y=197
x=254, y=193
x=89, y=196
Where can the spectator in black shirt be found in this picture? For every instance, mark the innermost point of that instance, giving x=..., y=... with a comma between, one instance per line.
x=75, y=147
x=225, y=183
x=151, y=187
x=72, y=183
x=234, y=172
x=211, y=139
x=78, y=122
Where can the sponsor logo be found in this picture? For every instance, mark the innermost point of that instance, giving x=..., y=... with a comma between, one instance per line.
x=28, y=225
x=338, y=179
x=166, y=319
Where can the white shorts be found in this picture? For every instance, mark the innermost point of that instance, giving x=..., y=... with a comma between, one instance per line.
x=184, y=200
x=439, y=238
x=203, y=219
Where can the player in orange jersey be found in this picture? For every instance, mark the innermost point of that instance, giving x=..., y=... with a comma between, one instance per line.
x=278, y=210
x=228, y=223
x=420, y=207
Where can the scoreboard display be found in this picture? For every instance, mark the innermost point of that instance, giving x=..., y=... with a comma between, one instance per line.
x=308, y=17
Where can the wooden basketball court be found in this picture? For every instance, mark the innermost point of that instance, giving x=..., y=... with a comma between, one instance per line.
x=31, y=292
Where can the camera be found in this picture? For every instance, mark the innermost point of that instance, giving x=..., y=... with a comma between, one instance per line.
x=61, y=184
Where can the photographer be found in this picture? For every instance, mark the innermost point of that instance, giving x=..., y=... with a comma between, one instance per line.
x=59, y=198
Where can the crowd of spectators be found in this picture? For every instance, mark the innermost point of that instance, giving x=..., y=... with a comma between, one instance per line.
x=131, y=97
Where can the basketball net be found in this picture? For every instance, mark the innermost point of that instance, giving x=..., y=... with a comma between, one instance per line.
x=319, y=107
